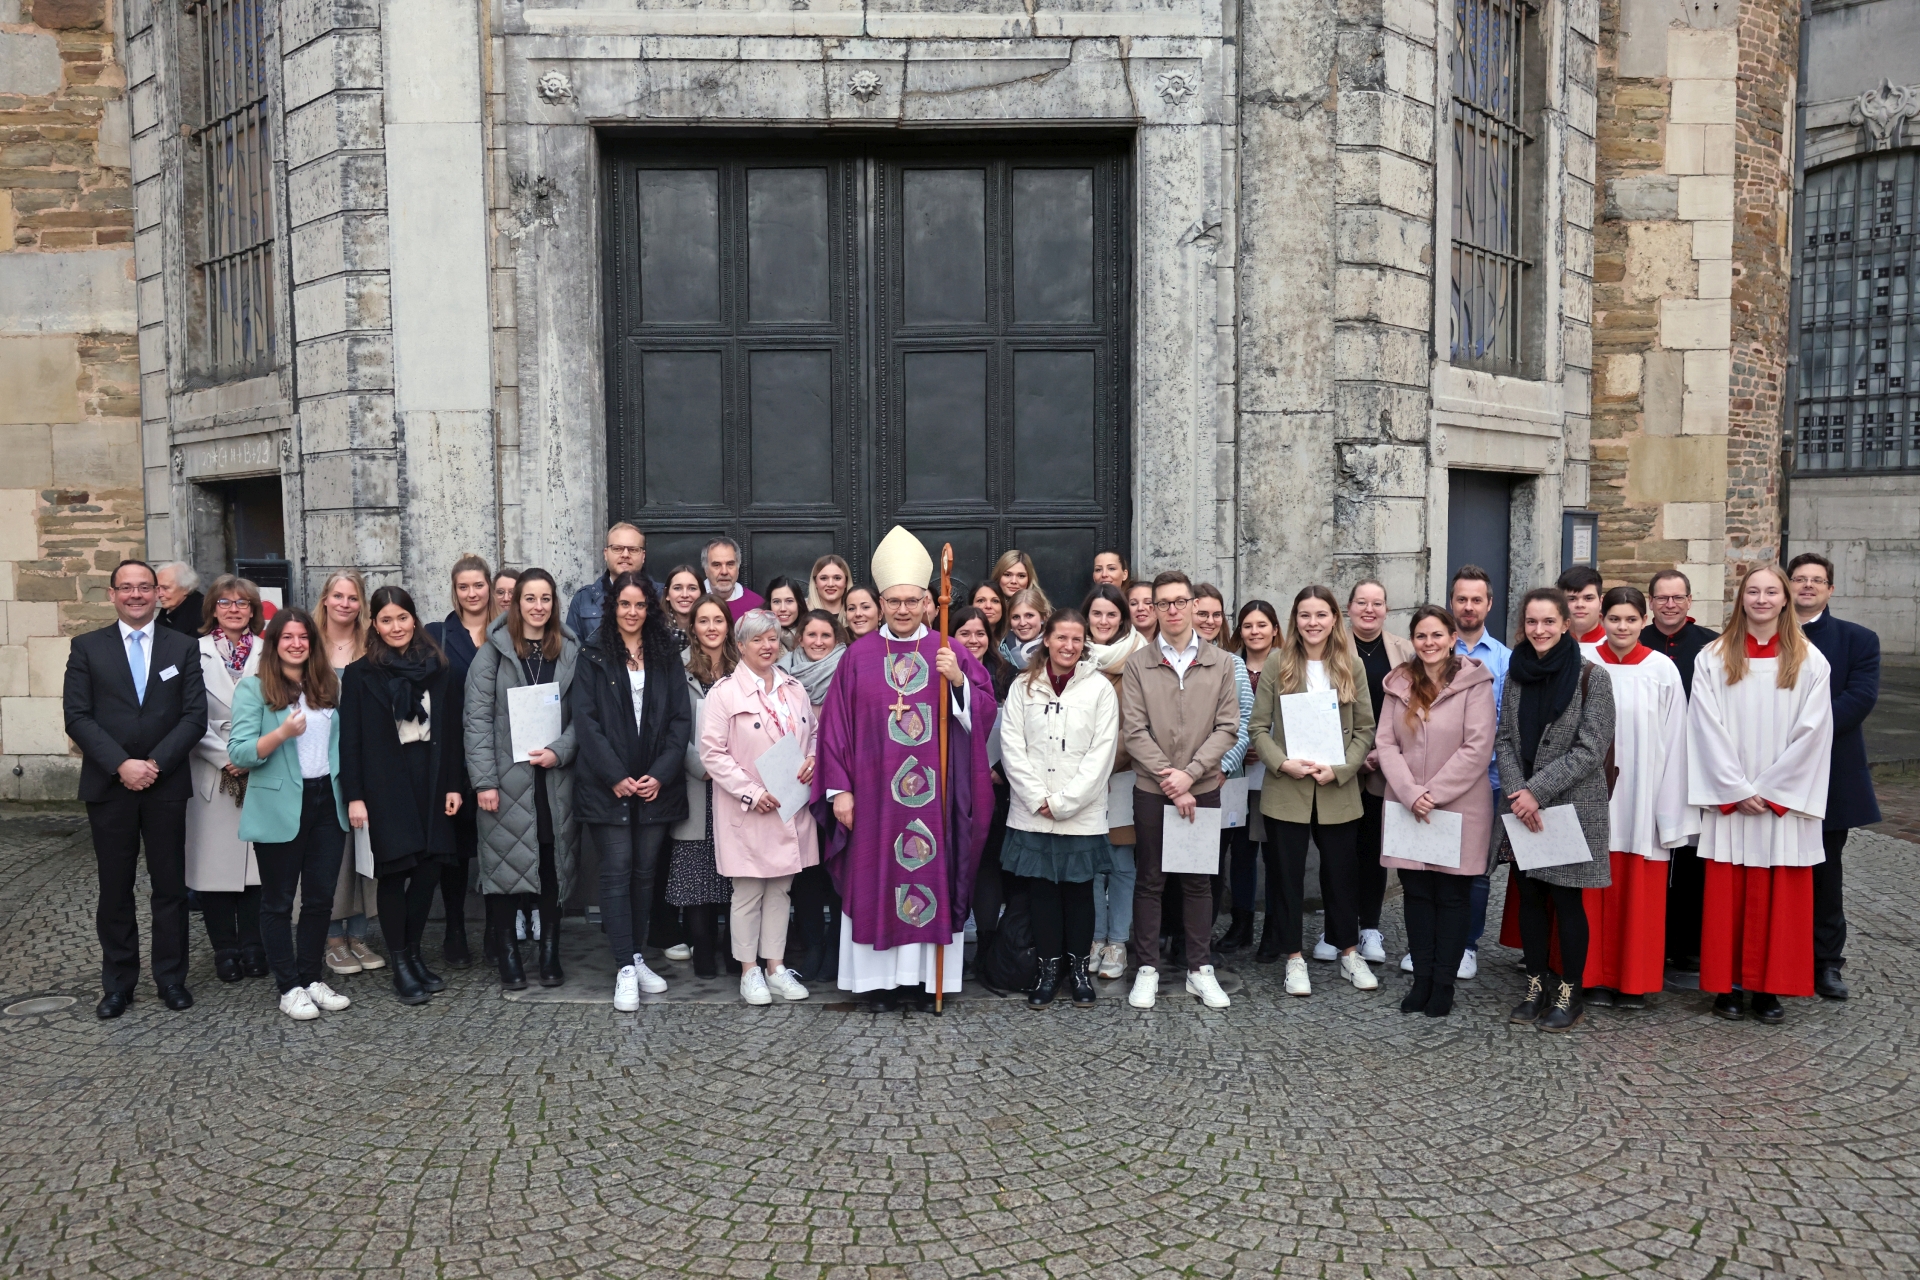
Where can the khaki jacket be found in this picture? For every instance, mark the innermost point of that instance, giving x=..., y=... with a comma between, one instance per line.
x=1167, y=722
x=1287, y=799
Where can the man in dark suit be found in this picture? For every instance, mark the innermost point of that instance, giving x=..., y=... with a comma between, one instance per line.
x=135, y=704
x=1673, y=632
x=1854, y=654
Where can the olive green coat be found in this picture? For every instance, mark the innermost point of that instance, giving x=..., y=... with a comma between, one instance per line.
x=1286, y=799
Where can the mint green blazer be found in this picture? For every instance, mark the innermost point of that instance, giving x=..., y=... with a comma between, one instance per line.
x=271, y=812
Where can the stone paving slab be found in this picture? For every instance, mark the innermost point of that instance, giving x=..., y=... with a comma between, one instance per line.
x=476, y=1136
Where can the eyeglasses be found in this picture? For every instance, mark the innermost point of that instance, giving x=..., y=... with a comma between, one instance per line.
x=136, y=588
x=1172, y=606
x=232, y=604
x=1809, y=581
x=1671, y=599
x=629, y=550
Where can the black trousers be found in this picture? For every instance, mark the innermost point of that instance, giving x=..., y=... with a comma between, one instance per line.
x=1829, y=908
x=1686, y=897
x=629, y=863
x=310, y=865
x=815, y=948
x=1243, y=865
x=121, y=823
x=1372, y=877
x=1062, y=917
x=406, y=900
x=664, y=928
x=1439, y=909
x=456, y=876
x=1339, y=880
x=233, y=920
x=1542, y=905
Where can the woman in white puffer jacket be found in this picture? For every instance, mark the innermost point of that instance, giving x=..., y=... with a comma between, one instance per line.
x=1058, y=731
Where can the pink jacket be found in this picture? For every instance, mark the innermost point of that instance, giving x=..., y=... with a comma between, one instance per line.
x=735, y=729
x=1445, y=756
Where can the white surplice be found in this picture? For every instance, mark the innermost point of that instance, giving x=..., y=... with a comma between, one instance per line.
x=1753, y=739
x=1649, y=813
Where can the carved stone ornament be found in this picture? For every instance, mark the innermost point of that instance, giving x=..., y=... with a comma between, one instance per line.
x=1439, y=444
x=1885, y=111
x=286, y=448
x=179, y=464
x=554, y=87
x=1175, y=87
x=532, y=202
x=864, y=83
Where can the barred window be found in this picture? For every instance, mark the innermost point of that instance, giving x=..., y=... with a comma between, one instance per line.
x=1490, y=141
x=1859, y=406
x=236, y=163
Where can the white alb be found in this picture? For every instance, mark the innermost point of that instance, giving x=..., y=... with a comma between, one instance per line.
x=1753, y=739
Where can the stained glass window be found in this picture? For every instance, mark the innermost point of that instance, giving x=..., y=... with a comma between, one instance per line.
x=237, y=258
x=1490, y=138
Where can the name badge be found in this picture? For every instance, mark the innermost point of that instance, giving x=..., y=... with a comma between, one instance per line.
x=169, y=673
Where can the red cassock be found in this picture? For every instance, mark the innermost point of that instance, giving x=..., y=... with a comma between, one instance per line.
x=1756, y=929
x=1627, y=927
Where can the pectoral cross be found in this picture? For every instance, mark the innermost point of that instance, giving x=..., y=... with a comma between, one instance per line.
x=899, y=707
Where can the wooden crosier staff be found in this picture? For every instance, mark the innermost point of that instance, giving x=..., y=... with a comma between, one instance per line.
x=946, y=697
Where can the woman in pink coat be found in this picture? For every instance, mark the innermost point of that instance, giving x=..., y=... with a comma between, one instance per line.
x=1434, y=741
x=757, y=843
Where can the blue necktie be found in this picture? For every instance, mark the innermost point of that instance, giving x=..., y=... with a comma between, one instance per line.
x=138, y=660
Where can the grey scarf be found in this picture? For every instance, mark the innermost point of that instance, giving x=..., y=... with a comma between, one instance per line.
x=813, y=674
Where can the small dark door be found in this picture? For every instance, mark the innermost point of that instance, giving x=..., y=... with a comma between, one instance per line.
x=810, y=344
x=1479, y=531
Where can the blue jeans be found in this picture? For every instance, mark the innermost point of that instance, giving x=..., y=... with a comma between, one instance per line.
x=351, y=927
x=1113, y=897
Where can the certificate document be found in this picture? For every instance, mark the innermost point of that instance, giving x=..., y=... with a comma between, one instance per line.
x=1559, y=843
x=1191, y=848
x=1233, y=803
x=1120, y=800
x=1435, y=842
x=1312, y=725
x=533, y=718
x=779, y=769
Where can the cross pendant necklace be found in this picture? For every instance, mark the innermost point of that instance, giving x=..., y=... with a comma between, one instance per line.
x=900, y=706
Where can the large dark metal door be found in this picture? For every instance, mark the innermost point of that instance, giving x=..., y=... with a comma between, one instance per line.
x=808, y=345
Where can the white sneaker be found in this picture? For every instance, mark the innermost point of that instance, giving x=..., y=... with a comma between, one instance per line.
x=1297, y=983
x=1406, y=963
x=325, y=997
x=1323, y=950
x=753, y=986
x=1373, y=946
x=1202, y=983
x=1354, y=969
x=786, y=986
x=1113, y=960
x=1469, y=963
x=679, y=951
x=649, y=981
x=1146, y=984
x=626, y=990
x=298, y=1005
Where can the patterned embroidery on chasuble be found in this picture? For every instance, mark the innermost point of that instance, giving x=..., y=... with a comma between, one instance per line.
x=912, y=727
x=915, y=846
x=915, y=904
x=912, y=784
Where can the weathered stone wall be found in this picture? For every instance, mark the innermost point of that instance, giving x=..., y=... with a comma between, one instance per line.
x=70, y=505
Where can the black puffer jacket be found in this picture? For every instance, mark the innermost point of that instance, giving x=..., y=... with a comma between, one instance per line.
x=612, y=748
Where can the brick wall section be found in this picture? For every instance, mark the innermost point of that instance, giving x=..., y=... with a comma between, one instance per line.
x=1763, y=183
x=70, y=501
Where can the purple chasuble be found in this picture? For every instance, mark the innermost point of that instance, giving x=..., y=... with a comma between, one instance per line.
x=905, y=872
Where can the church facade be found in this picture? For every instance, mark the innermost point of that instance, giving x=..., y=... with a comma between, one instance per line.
x=1273, y=291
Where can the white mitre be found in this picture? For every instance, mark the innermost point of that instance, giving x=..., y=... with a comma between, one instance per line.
x=900, y=561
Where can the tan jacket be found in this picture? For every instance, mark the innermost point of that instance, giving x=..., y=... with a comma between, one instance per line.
x=1167, y=722
x=1288, y=799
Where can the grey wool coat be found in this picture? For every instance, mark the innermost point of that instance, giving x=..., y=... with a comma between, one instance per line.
x=1569, y=768
x=509, y=837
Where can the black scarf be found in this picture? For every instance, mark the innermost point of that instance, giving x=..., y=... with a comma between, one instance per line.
x=1546, y=685
x=407, y=677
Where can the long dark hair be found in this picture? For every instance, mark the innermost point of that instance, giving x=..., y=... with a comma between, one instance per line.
x=1113, y=596
x=379, y=652
x=317, y=680
x=549, y=645
x=699, y=665
x=656, y=641
x=1422, y=691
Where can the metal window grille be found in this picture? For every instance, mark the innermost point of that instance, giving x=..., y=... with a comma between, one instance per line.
x=1859, y=381
x=238, y=258
x=1490, y=138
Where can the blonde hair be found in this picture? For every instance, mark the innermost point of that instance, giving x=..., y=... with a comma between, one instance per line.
x=471, y=563
x=814, y=598
x=1010, y=559
x=325, y=621
x=1337, y=653
x=1732, y=644
x=1033, y=598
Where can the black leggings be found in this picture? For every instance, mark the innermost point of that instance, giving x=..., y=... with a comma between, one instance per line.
x=406, y=898
x=1541, y=904
x=1438, y=908
x=233, y=921
x=1062, y=917
x=1372, y=875
x=457, y=876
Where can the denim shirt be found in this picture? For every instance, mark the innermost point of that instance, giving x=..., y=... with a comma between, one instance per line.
x=1494, y=656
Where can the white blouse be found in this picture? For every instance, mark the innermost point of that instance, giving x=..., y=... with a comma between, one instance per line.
x=315, y=761
x=637, y=681
x=1317, y=681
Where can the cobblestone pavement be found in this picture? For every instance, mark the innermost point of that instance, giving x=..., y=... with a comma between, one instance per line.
x=1899, y=794
x=1331, y=1136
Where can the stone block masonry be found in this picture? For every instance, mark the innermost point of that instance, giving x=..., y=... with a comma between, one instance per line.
x=70, y=487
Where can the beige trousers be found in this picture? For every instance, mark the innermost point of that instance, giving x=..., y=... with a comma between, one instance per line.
x=758, y=918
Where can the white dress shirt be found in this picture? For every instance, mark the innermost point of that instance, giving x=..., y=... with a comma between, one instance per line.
x=1182, y=660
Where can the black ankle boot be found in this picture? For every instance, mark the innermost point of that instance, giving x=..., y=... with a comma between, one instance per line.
x=1083, y=996
x=1046, y=977
x=1530, y=1009
x=1731, y=1006
x=1269, y=951
x=507, y=952
x=406, y=985
x=1567, y=1009
x=254, y=961
x=550, y=973
x=227, y=966
x=454, y=950
x=1417, y=996
x=1768, y=1009
x=1239, y=934
x=1440, y=1003
x=429, y=981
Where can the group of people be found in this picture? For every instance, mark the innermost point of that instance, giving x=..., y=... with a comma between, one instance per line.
x=820, y=761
